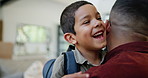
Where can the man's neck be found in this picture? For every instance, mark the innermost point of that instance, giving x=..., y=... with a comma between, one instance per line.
x=122, y=37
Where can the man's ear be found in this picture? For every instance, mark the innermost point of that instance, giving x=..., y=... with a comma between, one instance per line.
x=69, y=37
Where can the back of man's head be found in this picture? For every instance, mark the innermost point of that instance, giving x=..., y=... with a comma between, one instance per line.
x=131, y=15
x=129, y=22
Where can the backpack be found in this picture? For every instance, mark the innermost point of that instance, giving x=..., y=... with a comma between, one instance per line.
x=70, y=65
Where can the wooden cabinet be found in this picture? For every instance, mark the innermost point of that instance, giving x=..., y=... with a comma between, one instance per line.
x=6, y=50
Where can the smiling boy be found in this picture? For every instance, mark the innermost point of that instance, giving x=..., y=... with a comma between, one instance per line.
x=82, y=27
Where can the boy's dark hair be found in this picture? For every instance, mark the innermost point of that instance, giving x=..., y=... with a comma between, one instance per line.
x=67, y=20
x=132, y=14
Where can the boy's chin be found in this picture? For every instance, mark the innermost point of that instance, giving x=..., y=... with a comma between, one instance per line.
x=103, y=45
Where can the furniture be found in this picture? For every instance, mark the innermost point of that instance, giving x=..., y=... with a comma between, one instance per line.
x=19, y=68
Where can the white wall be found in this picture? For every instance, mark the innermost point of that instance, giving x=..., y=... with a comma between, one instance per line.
x=0, y=13
x=103, y=6
x=38, y=12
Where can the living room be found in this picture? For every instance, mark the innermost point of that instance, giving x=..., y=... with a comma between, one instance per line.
x=30, y=34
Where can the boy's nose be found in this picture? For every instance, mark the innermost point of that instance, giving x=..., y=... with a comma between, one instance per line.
x=96, y=23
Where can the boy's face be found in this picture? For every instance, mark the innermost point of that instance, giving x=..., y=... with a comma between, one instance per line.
x=90, y=29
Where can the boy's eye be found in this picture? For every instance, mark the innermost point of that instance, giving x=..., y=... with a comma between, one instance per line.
x=86, y=22
x=99, y=18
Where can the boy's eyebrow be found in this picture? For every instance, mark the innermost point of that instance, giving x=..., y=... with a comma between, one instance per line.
x=86, y=16
x=83, y=17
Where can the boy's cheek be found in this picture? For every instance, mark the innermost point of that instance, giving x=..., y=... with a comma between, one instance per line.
x=104, y=24
x=107, y=25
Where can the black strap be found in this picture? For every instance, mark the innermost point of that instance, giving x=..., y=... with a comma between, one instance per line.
x=70, y=48
x=65, y=64
x=70, y=65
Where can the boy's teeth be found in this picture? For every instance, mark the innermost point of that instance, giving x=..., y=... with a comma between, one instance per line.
x=98, y=34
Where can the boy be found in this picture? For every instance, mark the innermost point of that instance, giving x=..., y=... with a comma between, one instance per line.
x=82, y=27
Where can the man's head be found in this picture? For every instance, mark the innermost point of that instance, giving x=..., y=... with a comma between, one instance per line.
x=83, y=27
x=129, y=22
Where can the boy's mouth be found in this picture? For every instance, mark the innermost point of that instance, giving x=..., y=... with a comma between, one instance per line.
x=98, y=34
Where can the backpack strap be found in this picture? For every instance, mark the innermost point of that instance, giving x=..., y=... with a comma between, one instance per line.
x=70, y=48
x=70, y=65
x=47, y=70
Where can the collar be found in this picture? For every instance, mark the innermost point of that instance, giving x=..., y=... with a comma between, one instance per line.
x=129, y=47
x=81, y=60
x=78, y=56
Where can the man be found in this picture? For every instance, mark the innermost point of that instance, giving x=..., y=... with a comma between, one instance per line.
x=127, y=43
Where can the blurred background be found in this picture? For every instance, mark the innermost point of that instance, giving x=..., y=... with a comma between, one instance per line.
x=30, y=34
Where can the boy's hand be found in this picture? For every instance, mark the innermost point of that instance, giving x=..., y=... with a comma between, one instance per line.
x=76, y=75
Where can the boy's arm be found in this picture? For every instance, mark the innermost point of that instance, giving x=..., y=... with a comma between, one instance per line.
x=58, y=68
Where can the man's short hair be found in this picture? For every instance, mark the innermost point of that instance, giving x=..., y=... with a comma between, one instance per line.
x=67, y=20
x=132, y=14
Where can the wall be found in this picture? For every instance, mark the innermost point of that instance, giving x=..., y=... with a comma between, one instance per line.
x=0, y=13
x=103, y=6
x=38, y=12
x=1, y=27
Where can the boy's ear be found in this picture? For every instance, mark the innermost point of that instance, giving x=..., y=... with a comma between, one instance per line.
x=69, y=37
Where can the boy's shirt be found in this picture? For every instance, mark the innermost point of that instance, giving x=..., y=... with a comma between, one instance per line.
x=58, y=68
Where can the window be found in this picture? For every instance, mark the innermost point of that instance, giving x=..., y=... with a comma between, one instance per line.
x=62, y=43
x=31, y=33
x=32, y=40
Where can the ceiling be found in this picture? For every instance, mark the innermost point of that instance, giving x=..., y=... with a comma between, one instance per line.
x=2, y=2
x=65, y=1
x=100, y=4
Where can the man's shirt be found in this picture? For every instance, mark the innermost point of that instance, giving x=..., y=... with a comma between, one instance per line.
x=125, y=61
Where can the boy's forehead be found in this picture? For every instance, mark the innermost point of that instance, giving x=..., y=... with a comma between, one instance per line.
x=86, y=10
